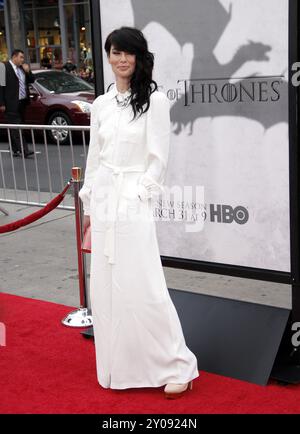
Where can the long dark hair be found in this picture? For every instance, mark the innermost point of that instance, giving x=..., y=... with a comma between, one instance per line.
x=132, y=41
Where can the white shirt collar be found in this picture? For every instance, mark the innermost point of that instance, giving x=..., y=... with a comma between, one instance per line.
x=114, y=91
x=13, y=65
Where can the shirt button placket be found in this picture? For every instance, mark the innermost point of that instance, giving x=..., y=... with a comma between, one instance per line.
x=115, y=150
x=116, y=137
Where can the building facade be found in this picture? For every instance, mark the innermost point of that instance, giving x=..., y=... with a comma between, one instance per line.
x=49, y=31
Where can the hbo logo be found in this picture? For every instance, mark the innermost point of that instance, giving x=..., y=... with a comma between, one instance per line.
x=227, y=214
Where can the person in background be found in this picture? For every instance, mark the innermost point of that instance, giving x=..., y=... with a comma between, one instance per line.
x=45, y=62
x=69, y=66
x=14, y=97
x=82, y=74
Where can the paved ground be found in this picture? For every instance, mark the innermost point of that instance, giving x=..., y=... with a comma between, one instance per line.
x=40, y=261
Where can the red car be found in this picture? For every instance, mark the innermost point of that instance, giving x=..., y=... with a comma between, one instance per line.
x=58, y=98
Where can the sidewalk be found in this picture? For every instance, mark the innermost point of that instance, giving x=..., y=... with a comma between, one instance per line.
x=40, y=261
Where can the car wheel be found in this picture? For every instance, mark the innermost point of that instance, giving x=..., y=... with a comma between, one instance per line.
x=63, y=135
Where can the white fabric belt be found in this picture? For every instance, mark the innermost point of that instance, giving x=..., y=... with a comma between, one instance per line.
x=113, y=201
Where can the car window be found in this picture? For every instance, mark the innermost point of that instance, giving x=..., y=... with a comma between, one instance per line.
x=62, y=82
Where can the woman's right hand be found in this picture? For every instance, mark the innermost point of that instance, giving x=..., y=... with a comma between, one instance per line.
x=86, y=223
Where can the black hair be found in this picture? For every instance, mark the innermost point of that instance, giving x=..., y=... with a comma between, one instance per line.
x=132, y=41
x=16, y=52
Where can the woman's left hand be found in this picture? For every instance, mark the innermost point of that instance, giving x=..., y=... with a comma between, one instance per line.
x=86, y=223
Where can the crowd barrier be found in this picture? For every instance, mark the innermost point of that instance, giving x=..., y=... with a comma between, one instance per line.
x=80, y=317
x=28, y=184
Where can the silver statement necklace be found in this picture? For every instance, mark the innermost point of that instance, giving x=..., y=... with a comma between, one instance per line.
x=122, y=101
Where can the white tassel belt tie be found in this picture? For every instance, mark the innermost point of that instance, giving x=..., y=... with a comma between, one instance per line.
x=113, y=202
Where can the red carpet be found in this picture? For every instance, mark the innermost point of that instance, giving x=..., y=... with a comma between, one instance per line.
x=48, y=368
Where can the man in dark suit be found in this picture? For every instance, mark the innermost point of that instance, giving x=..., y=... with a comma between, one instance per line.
x=14, y=97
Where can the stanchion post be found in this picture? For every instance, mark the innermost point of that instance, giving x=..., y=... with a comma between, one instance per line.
x=76, y=177
x=82, y=316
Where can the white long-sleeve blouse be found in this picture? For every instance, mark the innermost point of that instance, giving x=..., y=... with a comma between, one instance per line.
x=113, y=138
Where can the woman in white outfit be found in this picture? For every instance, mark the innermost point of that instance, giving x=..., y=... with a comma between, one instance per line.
x=138, y=336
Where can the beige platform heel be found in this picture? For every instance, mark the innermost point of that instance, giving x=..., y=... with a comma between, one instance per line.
x=176, y=390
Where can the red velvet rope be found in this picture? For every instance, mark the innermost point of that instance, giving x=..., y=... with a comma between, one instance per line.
x=35, y=215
